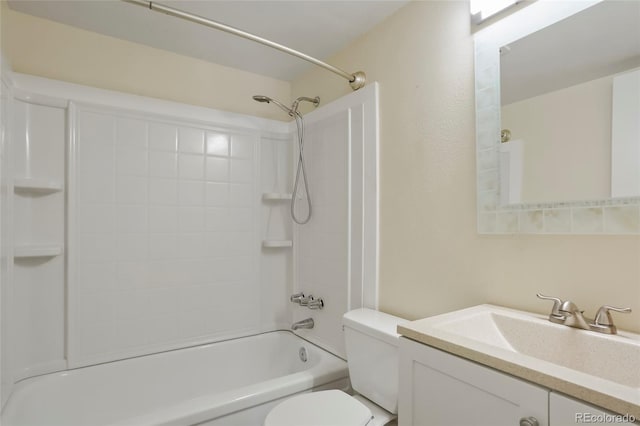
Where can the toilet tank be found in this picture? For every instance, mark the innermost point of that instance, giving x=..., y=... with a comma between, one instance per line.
x=372, y=355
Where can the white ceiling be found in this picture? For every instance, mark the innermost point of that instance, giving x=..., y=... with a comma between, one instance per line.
x=599, y=41
x=317, y=28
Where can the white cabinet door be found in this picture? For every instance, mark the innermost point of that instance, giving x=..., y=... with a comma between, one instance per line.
x=440, y=389
x=565, y=411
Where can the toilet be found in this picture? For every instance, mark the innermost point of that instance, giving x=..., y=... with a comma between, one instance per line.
x=372, y=356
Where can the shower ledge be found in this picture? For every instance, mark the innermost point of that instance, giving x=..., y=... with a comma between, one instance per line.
x=37, y=251
x=37, y=186
x=277, y=243
x=276, y=196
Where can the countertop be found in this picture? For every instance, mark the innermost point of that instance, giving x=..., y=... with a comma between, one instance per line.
x=608, y=395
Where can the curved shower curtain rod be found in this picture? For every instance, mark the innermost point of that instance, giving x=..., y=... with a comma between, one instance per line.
x=356, y=80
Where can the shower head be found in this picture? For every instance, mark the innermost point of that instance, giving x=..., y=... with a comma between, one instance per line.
x=262, y=98
x=294, y=107
x=293, y=112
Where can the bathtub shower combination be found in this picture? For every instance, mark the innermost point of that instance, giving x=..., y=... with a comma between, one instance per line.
x=235, y=382
x=153, y=255
x=150, y=251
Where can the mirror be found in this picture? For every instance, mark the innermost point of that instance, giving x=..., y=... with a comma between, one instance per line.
x=564, y=79
x=564, y=93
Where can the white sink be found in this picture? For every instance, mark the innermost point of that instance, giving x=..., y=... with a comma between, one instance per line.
x=596, y=367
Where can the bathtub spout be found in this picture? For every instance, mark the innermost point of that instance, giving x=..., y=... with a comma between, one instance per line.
x=306, y=323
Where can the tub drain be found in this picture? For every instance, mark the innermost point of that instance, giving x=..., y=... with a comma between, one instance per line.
x=302, y=352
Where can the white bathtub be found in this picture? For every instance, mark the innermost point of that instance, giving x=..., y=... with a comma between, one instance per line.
x=234, y=382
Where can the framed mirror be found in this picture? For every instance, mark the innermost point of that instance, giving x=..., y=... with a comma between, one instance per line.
x=558, y=119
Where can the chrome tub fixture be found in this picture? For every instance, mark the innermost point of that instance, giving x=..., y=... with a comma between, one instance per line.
x=305, y=323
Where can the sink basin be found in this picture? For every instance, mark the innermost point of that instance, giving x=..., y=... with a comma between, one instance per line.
x=615, y=358
x=602, y=369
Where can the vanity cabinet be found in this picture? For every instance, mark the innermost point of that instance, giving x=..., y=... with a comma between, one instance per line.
x=437, y=388
x=564, y=410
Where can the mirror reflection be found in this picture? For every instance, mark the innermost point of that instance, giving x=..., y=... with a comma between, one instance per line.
x=570, y=97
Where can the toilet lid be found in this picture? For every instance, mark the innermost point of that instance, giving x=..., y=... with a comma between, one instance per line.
x=325, y=408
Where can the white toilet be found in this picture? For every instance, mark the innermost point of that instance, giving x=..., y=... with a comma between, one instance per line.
x=372, y=355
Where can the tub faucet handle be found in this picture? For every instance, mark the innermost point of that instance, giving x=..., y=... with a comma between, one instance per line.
x=316, y=304
x=306, y=300
x=296, y=298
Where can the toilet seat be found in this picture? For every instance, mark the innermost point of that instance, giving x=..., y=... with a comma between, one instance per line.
x=324, y=408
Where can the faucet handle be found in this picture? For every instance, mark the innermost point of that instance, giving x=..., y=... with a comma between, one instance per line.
x=555, y=311
x=316, y=304
x=305, y=300
x=297, y=297
x=603, y=317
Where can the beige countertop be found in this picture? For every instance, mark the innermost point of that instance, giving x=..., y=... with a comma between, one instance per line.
x=607, y=394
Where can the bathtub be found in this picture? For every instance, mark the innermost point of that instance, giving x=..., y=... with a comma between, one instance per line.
x=234, y=382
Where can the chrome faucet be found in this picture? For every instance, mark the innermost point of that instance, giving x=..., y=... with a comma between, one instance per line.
x=567, y=313
x=301, y=299
x=296, y=298
x=315, y=303
x=307, y=301
x=573, y=315
x=305, y=323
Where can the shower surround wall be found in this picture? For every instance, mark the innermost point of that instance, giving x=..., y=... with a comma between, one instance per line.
x=37, y=153
x=145, y=225
x=336, y=253
x=162, y=222
x=166, y=234
x=6, y=379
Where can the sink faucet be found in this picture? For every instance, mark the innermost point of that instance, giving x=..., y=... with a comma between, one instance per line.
x=573, y=315
x=567, y=313
x=305, y=323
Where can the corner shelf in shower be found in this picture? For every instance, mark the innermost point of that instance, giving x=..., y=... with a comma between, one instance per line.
x=37, y=186
x=37, y=251
x=277, y=243
x=276, y=196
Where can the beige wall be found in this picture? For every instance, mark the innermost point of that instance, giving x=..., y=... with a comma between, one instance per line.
x=49, y=49
x=3, y=26
x=559, y=128
x=432, y=259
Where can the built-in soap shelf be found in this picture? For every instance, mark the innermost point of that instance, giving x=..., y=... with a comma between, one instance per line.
x=277, y=243
x=276, y=196
x=37, y=251
x=37, y=186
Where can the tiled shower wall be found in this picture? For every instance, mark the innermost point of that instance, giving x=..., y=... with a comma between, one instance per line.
x=165, y=223
x=6, y=379
x=167, y=235
x=323, y=244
